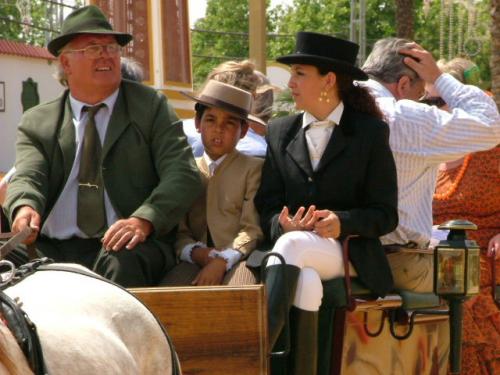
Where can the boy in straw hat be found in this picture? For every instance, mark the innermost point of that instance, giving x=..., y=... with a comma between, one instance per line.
x=222, y=226
x=104, y=173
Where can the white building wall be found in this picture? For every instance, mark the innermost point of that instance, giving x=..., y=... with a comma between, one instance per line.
x=13, y=71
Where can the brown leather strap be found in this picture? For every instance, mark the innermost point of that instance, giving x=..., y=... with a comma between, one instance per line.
x=351, y=303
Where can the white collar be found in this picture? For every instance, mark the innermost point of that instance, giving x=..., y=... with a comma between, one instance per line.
x=334, y=116
x=376, y=88
x=209, y=160
x=77, y=106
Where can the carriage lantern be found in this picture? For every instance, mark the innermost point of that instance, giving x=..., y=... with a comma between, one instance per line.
x=456, y=276
x=456, y=262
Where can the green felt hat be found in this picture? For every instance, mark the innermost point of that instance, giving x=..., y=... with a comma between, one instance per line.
x=86, y=20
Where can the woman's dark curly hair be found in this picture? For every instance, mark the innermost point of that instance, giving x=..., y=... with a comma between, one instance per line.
x=355, y=96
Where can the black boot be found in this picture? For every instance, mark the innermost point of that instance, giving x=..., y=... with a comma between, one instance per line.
x=303, y=358
x=281, y=283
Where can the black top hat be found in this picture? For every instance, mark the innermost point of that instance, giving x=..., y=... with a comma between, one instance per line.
x=320, y=49
x=86, y=20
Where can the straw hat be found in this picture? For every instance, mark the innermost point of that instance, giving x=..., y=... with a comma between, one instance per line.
x=227, y=97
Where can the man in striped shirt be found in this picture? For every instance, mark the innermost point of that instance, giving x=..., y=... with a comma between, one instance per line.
x=421, y=138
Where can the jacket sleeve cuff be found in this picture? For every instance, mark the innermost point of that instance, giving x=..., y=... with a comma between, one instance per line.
x=231, y=256
x=188, y=249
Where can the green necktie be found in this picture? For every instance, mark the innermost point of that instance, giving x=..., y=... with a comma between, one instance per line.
x=91, y=214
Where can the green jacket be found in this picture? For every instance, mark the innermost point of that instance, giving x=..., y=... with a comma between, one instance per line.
x=148, y=167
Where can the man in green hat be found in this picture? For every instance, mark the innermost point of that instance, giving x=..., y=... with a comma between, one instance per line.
x=104, y=172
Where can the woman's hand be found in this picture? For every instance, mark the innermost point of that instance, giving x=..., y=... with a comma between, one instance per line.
x=494, y=246
x=299, y=221
x=327, y=224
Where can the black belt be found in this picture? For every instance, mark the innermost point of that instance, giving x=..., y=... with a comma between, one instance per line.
x=394, y=248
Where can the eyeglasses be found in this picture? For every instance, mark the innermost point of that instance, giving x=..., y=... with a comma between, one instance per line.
x=433, y=100
x=96, y=50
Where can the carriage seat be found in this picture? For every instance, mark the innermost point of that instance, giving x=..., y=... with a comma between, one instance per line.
x=335, y=296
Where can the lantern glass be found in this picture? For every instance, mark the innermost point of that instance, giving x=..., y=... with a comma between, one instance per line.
x=473, y=272
x=451, y=271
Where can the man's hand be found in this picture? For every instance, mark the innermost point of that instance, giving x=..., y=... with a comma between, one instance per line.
x=299, y=221
x=494, y=246
x=212, y=274
x=26, y=216
x=327, y=224
x=126, y=232
x=422, y=62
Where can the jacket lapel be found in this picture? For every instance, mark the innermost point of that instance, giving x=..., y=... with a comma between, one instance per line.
x=297, y=148
x=66, y=139
x=117, y=124
x=335, y=145
x=227, y=161
x=337, y=140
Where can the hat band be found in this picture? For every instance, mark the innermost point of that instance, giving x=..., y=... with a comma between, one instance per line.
x=241, y=112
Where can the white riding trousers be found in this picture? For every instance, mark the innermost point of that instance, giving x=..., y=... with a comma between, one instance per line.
x=318, y=258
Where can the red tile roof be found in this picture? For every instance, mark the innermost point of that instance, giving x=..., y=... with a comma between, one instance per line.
x=9, y=47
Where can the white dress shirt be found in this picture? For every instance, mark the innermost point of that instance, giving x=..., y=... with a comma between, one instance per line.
x=252, y=144
x=318, y=133
x=231, y=256
x=422, y=137
x=61, y=222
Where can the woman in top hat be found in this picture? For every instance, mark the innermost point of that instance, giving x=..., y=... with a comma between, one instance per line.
x=329, y=173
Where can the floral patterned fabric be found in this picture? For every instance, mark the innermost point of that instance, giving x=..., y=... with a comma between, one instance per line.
x=477, y=199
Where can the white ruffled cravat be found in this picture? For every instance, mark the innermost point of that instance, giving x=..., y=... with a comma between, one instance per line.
x=318, y=134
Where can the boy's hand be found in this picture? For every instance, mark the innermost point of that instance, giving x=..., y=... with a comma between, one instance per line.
x=199, y=255
x=212, y=274
x=299, y=221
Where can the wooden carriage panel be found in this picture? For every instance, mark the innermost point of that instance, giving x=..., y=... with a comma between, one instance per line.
x=215, y=330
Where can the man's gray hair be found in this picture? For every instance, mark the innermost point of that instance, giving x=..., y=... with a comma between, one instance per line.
x=385, y=63
x=60, y=74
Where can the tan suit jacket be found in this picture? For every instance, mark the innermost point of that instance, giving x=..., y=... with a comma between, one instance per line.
x=227, y=206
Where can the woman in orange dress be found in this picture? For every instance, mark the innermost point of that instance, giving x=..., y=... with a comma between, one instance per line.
x=469, y=188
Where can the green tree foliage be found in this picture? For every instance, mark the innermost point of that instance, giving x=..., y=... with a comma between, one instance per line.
x=475, y=43
x=333, y=17
x=230, y=19
x=44, y=20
